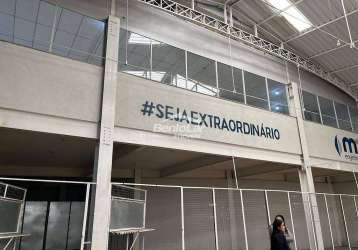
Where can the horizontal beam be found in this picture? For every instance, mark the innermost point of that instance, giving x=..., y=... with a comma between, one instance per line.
x=330, y=50
x=199, y=162
x=344, y=69
x=320, y=26
x=247, y=38
x=266, y=168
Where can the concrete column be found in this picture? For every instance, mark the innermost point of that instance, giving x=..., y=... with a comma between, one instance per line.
x=103, y=164
x=306, y=177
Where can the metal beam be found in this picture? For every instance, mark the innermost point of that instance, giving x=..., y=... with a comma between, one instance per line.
x=344, y=69
x=346, y=18
x=247, y=38
x=330, y=50
x=196, y=163
x=279, y=12
x=320, y=26
x=265, y=168
x=354, y=84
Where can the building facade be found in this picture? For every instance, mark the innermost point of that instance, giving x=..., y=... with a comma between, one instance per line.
x=119, y=92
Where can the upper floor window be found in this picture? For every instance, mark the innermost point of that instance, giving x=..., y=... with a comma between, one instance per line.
x=158, y=61
x=51, y=28
x=310, y=104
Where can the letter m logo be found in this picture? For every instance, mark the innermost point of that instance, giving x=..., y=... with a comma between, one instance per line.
x=351, y=143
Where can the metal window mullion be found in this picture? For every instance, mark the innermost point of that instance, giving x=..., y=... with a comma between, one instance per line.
x=268, y=94
x=319, y=109
x=53, y=30
x=291, y=216
x=186, y=69
x=329, y=221
x=215, y=221
x=335, y=113
x=345, y=221
x=244, y=219
x=243, y=85
x=182, y=218
x=36, y=23
x=150, y=60
x=350, y=118
x=217, y=79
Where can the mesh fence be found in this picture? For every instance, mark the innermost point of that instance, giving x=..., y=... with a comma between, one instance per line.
x=234, y=219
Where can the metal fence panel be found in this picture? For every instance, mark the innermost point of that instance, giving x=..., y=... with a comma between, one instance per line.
x=164, y=215
x=57, y=226
x=231, y=234
x=199, y=219
x=34, y=224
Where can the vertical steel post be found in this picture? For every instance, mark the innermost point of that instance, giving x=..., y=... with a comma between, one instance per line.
x=215, y=221
x=182, y=218
x=329, y=221
x=292, y=221
x=345, y=221
x=85, y=213
x=243, y=219
x=236, y=180
x=267, y=208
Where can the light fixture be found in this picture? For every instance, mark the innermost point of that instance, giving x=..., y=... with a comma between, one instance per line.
x=291, y=13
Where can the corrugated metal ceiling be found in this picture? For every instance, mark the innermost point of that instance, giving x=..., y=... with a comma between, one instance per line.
x=319, y=42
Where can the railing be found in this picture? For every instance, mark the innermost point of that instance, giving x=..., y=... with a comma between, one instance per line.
x=228, y=218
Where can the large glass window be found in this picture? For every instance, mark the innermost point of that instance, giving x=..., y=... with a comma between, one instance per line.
x=310, y=104
x=168, y=64
x=135, y=54
x=201, y=74
x=354, y=116
x=256, y=92
x=230, y=83
x=278, y=96
x=343, y=116
x=47, y=27
x=327, y=112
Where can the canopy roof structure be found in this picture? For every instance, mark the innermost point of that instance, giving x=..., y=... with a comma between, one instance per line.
x=321, y=34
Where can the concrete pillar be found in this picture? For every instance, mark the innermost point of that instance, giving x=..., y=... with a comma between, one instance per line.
x=103, y=164
x=306, y=177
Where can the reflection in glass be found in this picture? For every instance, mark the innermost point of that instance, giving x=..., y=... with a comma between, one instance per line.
x=327, y=112
x=134, y=54
x=168, y=64
x=278, y=96
x=31, y=23
x=343, y=116
x=230, y=83
x=201, y=74
x=354, y=117
x=256, y=94
x=310, y=105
